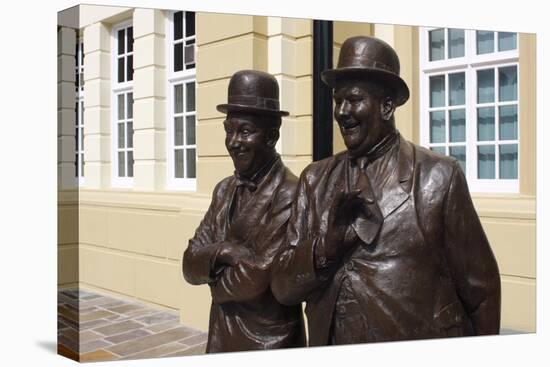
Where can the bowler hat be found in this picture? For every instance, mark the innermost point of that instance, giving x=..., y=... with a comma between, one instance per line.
x=365, y=57
x=252, y=91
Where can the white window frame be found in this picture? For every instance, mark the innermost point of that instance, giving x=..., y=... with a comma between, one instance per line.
x=174, y=78
x=117, y=89
x=469, y=64
x=79, y=113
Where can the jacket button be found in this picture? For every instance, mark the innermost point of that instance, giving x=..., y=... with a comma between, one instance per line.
x=349, y=265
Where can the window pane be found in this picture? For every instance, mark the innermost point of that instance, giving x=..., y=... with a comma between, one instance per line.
x=508, y=122
x=120, y=70
x=130, y=40
x=440, y=150
x=485, y=42
x=190, y=130
x=178, y=25
x=508, y=165
x=456, y=89
x=189, y=23
x=130, y=164
x=178, y=57
x=121, y=171
x=437, y=127
x=120, y=106
x=460, y=154
x=130, y=68
x=82, y=165
x=485, y=86
x=130, y=105
x=456, y=43
x=437, y=91
x=486, y=161
x=508, y=83
x=120, y=40
x=190, y=91
x=130, y=134
x=81, y=148
x=189, y=54
x=178, y=98
x=120, y=135
x=82, y=113
x=437, y=44
x=178, y=131
x=190, y=163
x=457, y=120
x=178, y=163
x=486, y=123
x=507, y=41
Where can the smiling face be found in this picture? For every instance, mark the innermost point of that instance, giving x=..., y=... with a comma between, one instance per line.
x=364, y=117
x=249, y=141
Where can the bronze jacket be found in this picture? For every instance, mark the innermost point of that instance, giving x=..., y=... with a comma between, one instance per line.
x=425, y=268
x=244, y=314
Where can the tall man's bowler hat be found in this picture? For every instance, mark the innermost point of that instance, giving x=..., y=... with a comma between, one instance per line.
x=365, y=58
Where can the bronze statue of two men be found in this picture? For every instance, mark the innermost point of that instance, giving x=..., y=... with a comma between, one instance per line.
x=381, y=241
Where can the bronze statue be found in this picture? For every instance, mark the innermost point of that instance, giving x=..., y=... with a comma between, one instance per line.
x=242, y=231
x=384, y=242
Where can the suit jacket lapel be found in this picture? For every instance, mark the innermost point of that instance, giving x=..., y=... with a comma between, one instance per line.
x=395, y=188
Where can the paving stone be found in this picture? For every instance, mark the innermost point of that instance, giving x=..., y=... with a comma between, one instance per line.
x=98, y=355
x=69, y=323
x=66, y=352
x=150, y=341
x=68, y=313
x=165, y=326
x=89, y=335
x=100, y=301
x=126, y=308
x=90, y=296
x=130, y=335
x=94, y=324
x=93, y=345
x=159, y=351
x=114, y=303
x=195, y=340
x=192, y=351
x=71, y=293
x=70, y=333
x=137, y=313
x=71, y=344
x=158, y=318
x=119, y=327
x=101, y=314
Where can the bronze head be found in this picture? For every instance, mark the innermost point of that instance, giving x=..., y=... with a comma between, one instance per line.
x=367, y=89
x=253, y=120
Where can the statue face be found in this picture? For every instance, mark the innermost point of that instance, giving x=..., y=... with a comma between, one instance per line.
x=359, y=115
x=247, y=142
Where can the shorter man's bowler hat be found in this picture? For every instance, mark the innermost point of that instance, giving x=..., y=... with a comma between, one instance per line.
x=365, y=58
x=254, y=92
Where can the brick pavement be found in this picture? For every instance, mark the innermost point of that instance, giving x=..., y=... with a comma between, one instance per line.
x=94, y=327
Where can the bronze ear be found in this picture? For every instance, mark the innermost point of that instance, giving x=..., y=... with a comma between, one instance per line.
x=272, y=137
x=387, y=108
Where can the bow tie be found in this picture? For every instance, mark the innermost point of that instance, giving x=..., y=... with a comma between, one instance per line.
x=249, y=184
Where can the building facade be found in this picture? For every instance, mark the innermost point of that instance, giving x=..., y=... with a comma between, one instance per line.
x=141, y=144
